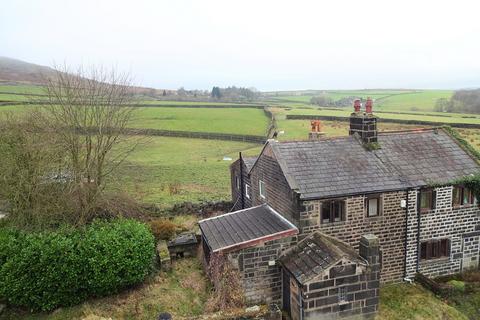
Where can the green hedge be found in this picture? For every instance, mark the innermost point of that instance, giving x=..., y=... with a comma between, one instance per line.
x=46, y=270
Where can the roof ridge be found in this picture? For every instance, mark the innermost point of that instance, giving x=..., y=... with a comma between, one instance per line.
x=327, y=138
x=416, y=130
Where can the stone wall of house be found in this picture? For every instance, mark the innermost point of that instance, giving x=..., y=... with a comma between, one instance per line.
x=389, y=226
x=458, y=224
x=323, y=300
x=239, y=170
x=260, y=270
x=278, y=193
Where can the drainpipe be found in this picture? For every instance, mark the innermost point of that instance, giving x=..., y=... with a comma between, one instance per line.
x=418, y=230
x=300, y=299
x=241, y=181
x=406, y=235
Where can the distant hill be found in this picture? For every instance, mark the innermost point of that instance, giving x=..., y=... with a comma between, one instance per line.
x=17, y=71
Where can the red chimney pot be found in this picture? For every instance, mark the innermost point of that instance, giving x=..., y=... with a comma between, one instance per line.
x=357, y=105
x=369, y=105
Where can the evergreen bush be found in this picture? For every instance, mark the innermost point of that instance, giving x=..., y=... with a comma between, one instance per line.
x=49, y=269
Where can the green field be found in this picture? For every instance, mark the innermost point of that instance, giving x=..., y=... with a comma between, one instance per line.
x=385, y=100
x=165, y=170
x=183, y=103
x=171, y=170
x=416, y=101
x=24, y=89
x=247, y=121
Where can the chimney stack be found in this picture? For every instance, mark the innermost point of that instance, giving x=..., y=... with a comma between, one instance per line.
x=369, y=248
x=363, y=123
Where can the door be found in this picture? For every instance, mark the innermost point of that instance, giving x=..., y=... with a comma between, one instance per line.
x=286, y=290
x=294, y=300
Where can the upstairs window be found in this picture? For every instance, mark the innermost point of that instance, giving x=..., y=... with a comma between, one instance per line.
x=435, y=249
x=373, y=206
x=261, y=189
x=426, y=200
x=237, y=182
x=247, y=191
x=333, y=211
x=462, y=196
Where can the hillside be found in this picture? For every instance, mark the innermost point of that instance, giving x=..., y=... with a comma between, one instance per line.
x=17, y=71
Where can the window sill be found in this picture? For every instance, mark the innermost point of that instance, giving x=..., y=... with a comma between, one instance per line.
x=427, y=211
x=328, y=223
x=433, y=261
x=465, y=206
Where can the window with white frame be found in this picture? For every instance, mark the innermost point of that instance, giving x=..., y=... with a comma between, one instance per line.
x=373, y=205
x=247, y=191
x=237, y=182
x=261, y=189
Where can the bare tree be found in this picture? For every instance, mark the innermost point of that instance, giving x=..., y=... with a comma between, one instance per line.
x=31, y=178
x=90, y=111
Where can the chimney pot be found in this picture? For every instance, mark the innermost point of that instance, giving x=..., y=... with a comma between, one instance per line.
x=369, y=105
x=357, y=105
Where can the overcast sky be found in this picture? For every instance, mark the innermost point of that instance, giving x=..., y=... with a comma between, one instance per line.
x=270, y=45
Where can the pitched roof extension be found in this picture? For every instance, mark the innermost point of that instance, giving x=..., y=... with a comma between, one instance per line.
x=315, y=254
x=245, y=228
x=249, y=162
x=342, y=166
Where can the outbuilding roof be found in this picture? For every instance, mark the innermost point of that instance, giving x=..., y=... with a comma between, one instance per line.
x=315, y=254
x=343, y=166
x=245, y=228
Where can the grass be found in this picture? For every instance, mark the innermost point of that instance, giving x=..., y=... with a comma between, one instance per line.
x=181, y=292
x=180, y=103
x=432, y=117
x=24, y=89
x=165, y=170
x=413, y=302
x=184, y=291
x=385, y=100
x=248, y=121
x=413, y=101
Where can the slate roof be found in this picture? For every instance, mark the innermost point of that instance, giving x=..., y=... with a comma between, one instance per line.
x=249, y=162
x=315, y=254
x=342, y=166
x=245, y=228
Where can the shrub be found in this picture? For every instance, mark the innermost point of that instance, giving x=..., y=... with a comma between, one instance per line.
x=46, y=270
x=228, y=291
x=163, y=229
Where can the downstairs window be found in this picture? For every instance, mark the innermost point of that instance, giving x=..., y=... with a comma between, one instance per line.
x=435, y=249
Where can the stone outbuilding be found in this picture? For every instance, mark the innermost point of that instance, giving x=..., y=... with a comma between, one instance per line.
x=324, y=278
x=253, y=239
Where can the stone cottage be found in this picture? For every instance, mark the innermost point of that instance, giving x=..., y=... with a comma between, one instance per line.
x=402, y=187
